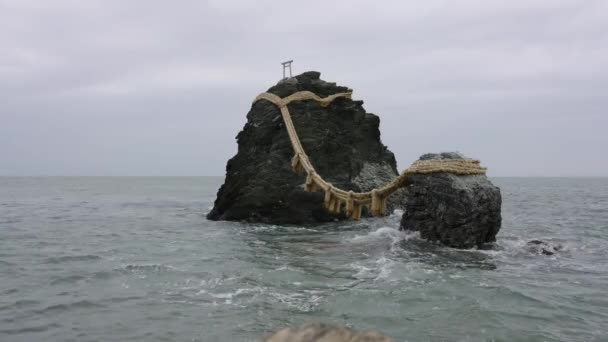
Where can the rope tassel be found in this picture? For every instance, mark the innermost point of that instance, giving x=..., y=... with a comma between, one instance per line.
x=350, y=203
x=310, y=186
x=332, y=204
x=327, y=200
x=337, y=206
x=382, y=207
x=376, y=206
x=356, y=214
x=296, y=164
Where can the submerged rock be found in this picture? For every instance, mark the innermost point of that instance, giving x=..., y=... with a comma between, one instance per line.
x=542, y=247
x=455, y=210
x=342, y=141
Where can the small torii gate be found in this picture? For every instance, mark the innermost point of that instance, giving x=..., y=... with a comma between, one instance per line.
x=287, y=65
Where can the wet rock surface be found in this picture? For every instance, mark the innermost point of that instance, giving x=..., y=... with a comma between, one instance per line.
x=455, y=210
x=342, y=141
x=544, y=248
x=322, y=332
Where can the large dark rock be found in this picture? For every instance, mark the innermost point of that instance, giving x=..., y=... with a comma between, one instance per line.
x=458, y=211
x=342, y=141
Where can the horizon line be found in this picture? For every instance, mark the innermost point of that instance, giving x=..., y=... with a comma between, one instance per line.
x=190, y=176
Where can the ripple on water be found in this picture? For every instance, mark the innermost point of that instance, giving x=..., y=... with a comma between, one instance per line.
x=71, y=258
x=6, y=263
x=10, y=220
x=60, y=308
x=10, y=291
x=70, y=279
x=30, y=329
x=123, y=299
x=20, y=304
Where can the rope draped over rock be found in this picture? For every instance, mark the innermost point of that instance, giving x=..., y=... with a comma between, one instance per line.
x=352, y=203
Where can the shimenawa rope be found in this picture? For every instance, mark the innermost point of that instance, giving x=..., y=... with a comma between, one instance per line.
x=337, y=199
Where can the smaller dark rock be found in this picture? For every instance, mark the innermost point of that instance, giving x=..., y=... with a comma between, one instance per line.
x=455, y=210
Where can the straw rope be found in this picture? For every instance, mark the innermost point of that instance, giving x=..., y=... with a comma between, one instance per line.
x=352, y=203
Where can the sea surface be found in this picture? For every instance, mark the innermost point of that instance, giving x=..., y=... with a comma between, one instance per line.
x=134, y=259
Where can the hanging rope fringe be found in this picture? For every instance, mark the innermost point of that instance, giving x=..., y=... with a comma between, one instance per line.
x=350, y=203
x=310, y=186
x=296, y=164
x=378, y=206
x=337, y=200
x=328, y=197
x=356, y=215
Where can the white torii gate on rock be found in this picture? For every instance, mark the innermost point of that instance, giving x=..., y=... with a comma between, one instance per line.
x=287, y=65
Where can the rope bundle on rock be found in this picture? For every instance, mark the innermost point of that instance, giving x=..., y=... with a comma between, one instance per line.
x=337, y=200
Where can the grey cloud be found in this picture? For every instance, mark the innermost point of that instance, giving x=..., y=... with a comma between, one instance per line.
x=162, y=88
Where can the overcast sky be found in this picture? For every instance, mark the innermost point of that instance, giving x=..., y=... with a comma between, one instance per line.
x=117, y=87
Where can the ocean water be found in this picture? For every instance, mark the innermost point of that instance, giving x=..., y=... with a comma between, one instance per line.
x=134, y=259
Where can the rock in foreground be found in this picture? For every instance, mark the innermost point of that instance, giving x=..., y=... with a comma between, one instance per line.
x=457, y=211
x=319, y=332
x=342, y=141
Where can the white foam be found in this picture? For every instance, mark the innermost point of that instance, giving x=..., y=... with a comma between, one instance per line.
x=303, y=229
x=222, y=295
x=298, y=301
x=386, y=268
x=229, y=297
x=363, y=272
x=397, y=213
x=393, y=234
